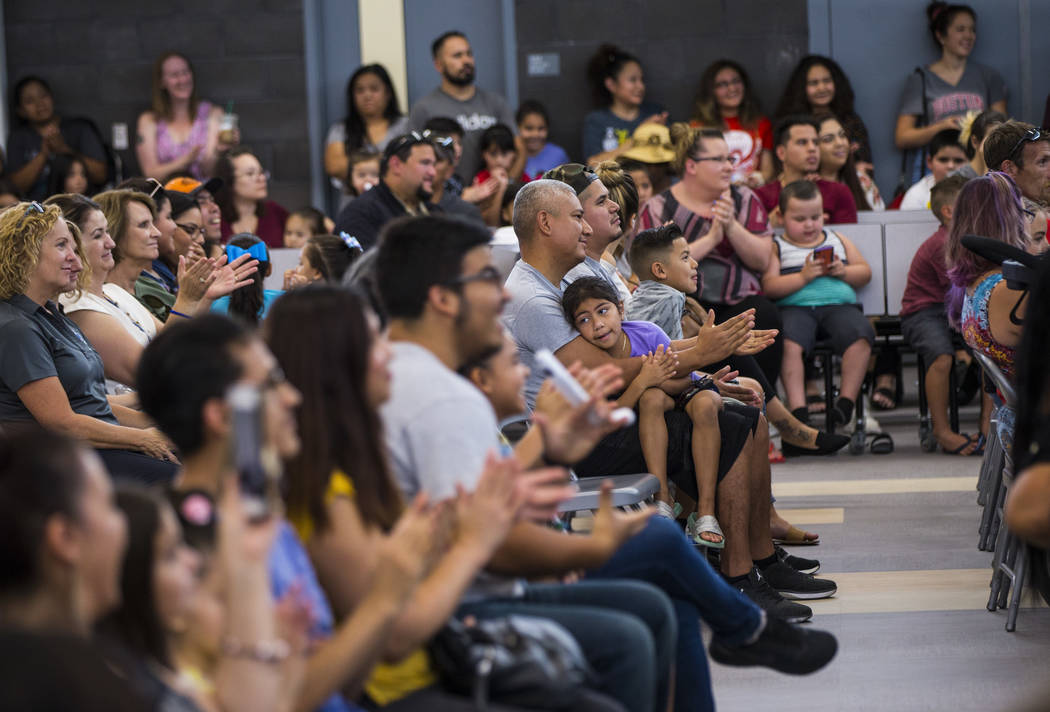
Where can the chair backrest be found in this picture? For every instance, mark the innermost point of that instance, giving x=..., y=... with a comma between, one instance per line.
x=902, y=241
x=281, y=259
x=1002, y=383
x=868, y=239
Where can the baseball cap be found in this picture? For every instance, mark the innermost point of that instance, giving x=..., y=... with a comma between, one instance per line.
x=192, y=186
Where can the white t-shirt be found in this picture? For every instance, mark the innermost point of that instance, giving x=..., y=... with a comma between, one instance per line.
x=918, y=196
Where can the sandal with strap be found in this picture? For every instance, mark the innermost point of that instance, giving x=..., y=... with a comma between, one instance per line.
x=797, y=537
x=707, y=523
x=890, y=396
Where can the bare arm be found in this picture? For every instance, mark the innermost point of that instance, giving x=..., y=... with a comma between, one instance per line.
x=908, y=135
x=1000, y=305
x=592, y=357
x=766, y=165
x=777, y=286
x=120, y=352
x=46, y=400
x=336, y=162
x=345, y=557
x=752, y=249
x=24, y=177
x=1028, y=505
x=857, y=271
x=1000, y=106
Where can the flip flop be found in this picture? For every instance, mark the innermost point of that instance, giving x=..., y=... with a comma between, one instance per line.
x=881, y=444
x=812, y=401
x=889, y=394
x=970, y=440
x=796, y=537
x=707, y=523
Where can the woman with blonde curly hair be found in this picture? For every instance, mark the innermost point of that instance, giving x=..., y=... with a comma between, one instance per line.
x=49, y=374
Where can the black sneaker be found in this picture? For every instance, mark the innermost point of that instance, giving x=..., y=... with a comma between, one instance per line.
x=763, y=596
x=805, y=566
x=790, y=583
x=782, y=646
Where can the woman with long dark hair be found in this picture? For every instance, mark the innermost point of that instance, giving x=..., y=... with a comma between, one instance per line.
x=837, y=165
x=726, y=101
x=341, y=494
x=373, y=117
x=818, y=87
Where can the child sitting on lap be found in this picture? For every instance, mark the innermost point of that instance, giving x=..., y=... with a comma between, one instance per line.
x=812, y=274
x=667, y=272
x=592, y=306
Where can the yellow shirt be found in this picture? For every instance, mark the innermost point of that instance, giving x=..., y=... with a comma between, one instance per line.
x=388, y=682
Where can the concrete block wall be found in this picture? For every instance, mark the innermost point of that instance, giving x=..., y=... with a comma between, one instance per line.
x=98, y=56
x=674, y=40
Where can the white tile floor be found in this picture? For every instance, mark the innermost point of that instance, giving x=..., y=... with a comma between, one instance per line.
x=910, y=617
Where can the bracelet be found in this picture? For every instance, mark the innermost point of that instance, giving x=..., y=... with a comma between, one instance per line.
x=270, y=652
x=178, y=313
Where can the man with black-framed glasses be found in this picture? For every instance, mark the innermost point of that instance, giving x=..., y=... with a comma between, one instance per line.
x=1022, y=152
x=406, y=182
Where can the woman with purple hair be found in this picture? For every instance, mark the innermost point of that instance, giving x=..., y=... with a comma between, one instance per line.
x=981, y=305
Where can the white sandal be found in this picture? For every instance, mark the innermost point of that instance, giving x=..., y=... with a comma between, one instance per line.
x=707, y=523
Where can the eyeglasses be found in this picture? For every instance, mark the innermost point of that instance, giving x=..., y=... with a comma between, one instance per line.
x=191, y=229
x=731, y=160
x=252, y=175
x=569, y=170
x=485, y=274
x=32, y=207
x=1029, y=136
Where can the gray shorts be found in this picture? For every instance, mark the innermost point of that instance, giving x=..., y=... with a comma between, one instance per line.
x=841, y=325
x=927, y=332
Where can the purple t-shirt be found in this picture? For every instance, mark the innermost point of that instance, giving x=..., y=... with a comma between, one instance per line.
x=645, y=336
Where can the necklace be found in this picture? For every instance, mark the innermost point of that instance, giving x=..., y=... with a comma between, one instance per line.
x=623, y=346
x=132, y=319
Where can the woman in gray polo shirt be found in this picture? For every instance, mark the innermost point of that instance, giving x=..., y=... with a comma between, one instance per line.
x=48, y=371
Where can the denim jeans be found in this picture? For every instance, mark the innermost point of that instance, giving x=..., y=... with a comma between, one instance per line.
x=661, y=555
x=626, y=630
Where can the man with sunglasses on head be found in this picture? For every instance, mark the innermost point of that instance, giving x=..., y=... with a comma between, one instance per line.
x=1022, y=152
x=406, y=182
x=797, y=154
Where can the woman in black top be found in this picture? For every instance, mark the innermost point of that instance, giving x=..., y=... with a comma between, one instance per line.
x=40, y=136
x=49, y=373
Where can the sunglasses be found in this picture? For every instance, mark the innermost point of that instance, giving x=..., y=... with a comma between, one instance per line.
x=1029, y=136
x=33, y=207
x=156, y=186
x=413, y=138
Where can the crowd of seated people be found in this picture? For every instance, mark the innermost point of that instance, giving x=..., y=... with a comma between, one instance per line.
x=682, y=269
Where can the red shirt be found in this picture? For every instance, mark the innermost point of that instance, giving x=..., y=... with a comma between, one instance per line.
x=839, y=205
x=483, y=175
x=928, y=276
x=747, y=144
x=270, y=228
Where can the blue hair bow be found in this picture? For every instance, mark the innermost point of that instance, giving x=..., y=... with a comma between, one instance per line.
x=351, y=241
x=257, y=251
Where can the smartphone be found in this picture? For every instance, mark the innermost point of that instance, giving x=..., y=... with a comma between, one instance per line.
x=245, y=404
x=825, y=255
x=571, y=389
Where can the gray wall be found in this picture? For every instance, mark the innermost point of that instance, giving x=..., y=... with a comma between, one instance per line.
x=98, y=56
x=481, y=22
x=879, y=44
x=674, y=40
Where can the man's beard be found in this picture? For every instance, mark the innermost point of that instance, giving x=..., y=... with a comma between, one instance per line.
x=464, y=80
